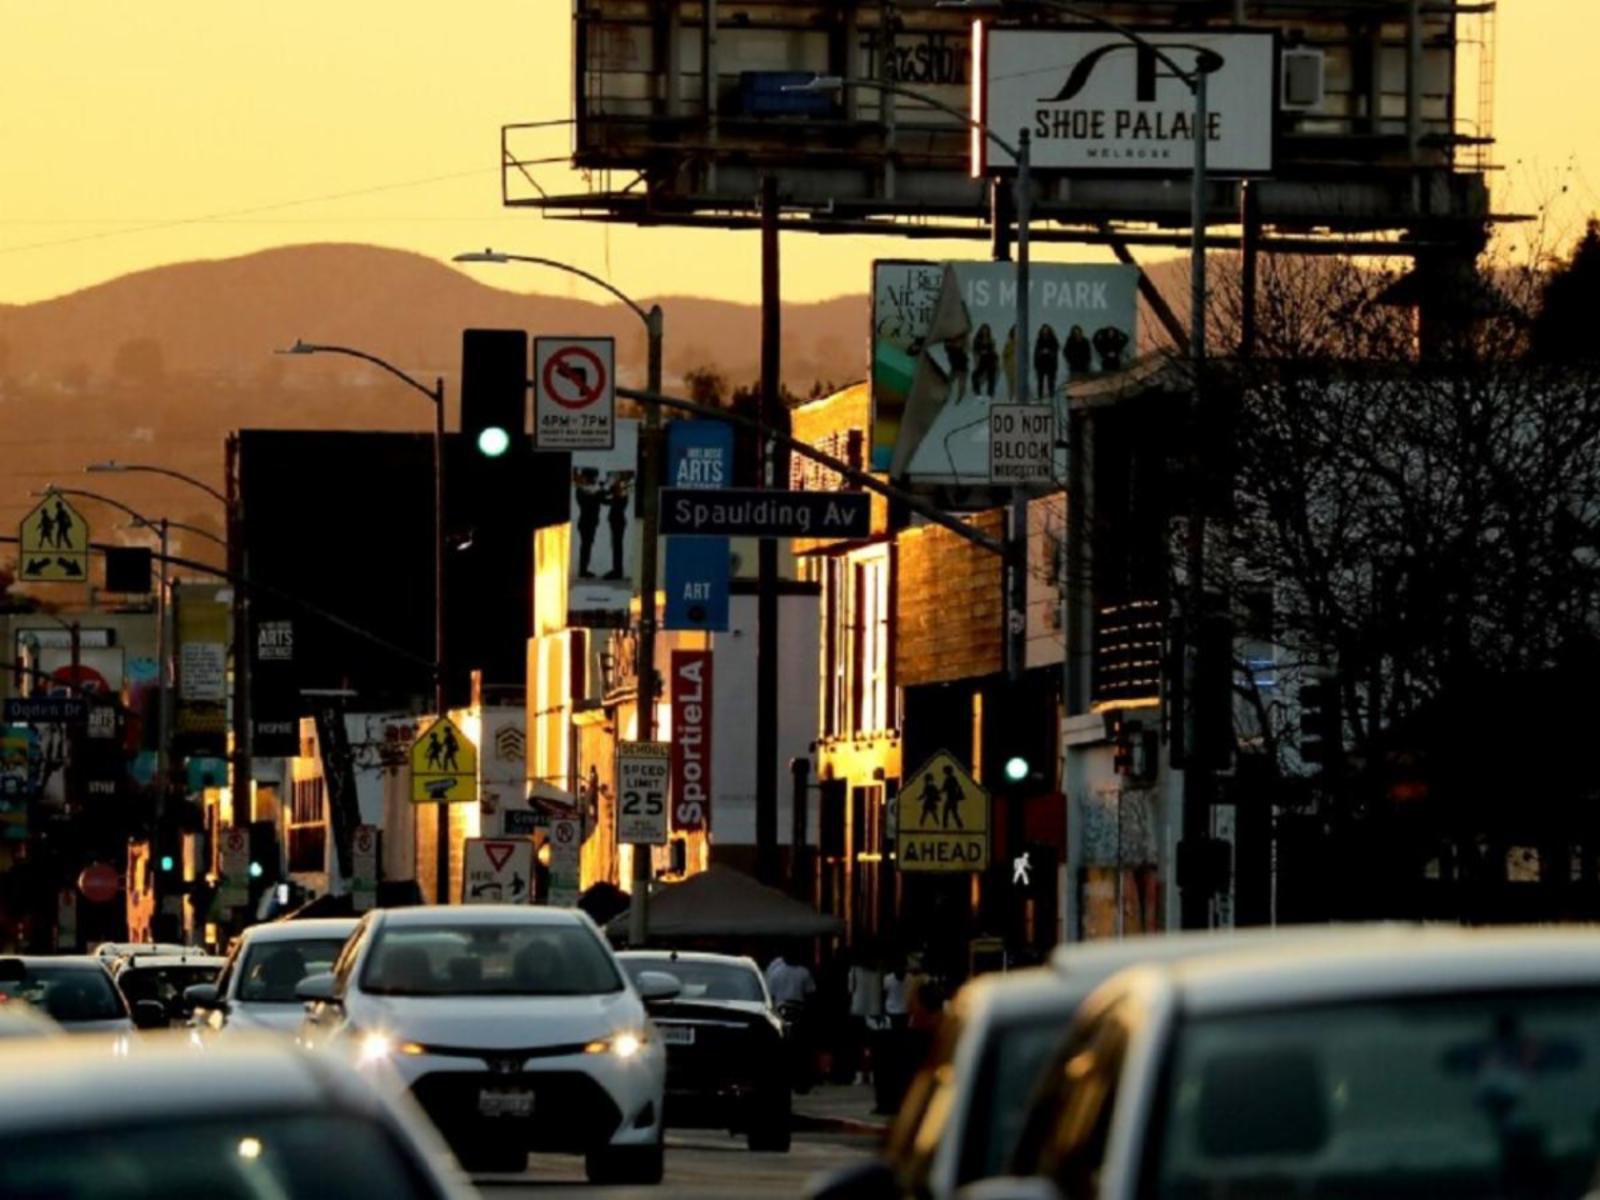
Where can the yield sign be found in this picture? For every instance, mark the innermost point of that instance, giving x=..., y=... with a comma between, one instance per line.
x=499, y=853
x=574, y=404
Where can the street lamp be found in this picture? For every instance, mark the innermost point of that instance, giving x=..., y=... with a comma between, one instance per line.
x=112, y=466
x=436, y=395
x=1021, y=153
x=1196, y=818
x=649, y=482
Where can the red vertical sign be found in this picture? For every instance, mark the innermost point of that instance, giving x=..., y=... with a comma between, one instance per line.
x=691, y=740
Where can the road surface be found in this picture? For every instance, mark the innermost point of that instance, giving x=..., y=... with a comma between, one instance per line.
x=698, y=1165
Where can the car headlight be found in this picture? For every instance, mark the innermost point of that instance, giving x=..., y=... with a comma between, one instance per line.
x=624, y=1045
x=374, y=1047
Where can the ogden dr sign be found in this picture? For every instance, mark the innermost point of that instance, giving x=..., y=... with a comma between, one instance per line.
x=1096, y=101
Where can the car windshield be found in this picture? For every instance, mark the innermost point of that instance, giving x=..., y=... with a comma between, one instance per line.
x=271, y=970
x=311, y=1154
x=703, y=980
x=69, y=994
x=163, y=984
x=1462, y=1096
x=462, y=959
x=1000, y=1100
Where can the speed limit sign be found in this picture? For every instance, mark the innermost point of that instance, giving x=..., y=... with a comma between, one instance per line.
x=643, y=769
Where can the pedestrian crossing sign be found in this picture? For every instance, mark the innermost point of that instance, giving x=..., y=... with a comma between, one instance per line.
x=944, y=818
x=54, y=543
x=444, y=765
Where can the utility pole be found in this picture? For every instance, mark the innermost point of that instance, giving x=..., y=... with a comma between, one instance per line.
x=645, y=688
x=243, y=641
x=767, y=560
x=1015, y=564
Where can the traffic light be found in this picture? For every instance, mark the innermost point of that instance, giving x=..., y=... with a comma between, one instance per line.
x=1321, y=721
x=494, y=388
x=1017, y=769
x=128, y=570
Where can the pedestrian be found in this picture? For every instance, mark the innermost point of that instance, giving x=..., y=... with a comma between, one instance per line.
x=1046, y=362
x=865, y=983
x=897, y=994
x=789, y=983
x=985, y=363
x=1078, y=353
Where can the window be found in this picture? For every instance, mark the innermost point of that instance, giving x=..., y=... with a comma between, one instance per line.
x=308, y=829
x=460, y=959
x=272, y=970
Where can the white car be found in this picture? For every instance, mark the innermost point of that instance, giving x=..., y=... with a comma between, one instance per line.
x=248, y=1120
x=514, y=1028
x=1444, y=1064
x=256, y=989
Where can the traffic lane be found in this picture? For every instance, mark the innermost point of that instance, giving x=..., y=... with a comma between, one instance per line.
x=698, y=1164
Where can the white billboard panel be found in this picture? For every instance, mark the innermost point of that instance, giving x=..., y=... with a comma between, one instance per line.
x=1093, y=100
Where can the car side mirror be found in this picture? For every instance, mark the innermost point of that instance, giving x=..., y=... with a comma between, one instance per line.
x=317, y=989
x=1010, y=1187
x=201, y=995
x=149, y=1014
x=873, y=1180
x=657, y=987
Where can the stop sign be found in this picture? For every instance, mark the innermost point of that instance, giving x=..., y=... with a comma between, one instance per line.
x=99, y=883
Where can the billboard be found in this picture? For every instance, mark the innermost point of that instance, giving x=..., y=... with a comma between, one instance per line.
x=691, y=740
x=1094, y=101
x=605, y=532
x=202, y=666
x=699, y=455
x=944, y=349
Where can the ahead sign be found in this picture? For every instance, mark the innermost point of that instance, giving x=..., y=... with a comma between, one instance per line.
x=575, y=398
x=643, y=770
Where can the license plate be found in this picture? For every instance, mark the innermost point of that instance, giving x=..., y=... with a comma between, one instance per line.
x=676, y=1035
x=505, y=1104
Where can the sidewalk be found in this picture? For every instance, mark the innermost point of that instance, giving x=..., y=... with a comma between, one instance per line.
x=839, y=1108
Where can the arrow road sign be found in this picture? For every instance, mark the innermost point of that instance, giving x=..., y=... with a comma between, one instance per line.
x=575, y=399
x=497, y=871
x=751, y=512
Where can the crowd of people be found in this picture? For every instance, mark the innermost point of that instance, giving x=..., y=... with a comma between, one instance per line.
x=865, y=1017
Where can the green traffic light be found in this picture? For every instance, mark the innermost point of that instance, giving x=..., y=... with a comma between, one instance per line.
x=255, y=870
x=167, y=862
x=1016, y=768
x=493, y=442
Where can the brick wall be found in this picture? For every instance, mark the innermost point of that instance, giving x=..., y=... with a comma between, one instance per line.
x=949, y=605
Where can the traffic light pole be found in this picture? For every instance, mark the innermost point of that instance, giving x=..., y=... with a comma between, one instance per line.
x=441, y=865
x=649, y=525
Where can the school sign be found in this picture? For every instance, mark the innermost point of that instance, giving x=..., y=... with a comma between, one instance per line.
x=944, y=819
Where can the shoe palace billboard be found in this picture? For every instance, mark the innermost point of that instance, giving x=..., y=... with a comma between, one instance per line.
x=944, y=339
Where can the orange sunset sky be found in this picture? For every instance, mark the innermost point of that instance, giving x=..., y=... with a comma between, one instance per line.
x=137, y=134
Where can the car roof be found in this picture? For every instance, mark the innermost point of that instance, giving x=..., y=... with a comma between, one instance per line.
x=1002, y=998
x=75, y=962
x=117, y=949
x=447, y=915
x=1097, y=960
x=730, y=960
x=309, y=929
x=1435, y=962
x=140, y=961
x=25, y=1020
x=79, y=1082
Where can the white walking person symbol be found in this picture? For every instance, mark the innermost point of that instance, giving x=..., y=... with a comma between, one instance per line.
x=1022, y=869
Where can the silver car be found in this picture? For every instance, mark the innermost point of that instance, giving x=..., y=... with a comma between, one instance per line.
x=248, y=1120
x=255, y=990
x=76, y=992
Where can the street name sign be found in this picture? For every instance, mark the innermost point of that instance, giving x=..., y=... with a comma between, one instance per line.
x=643, y=776
x=497, y=871
x=943, y=819
x=45, y=710
x=1022, y=443
x=752, y=512
x=54, y=543
x=444, y=765
x=574, y=393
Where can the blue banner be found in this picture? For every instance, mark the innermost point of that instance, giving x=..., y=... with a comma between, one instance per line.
x=699, y=455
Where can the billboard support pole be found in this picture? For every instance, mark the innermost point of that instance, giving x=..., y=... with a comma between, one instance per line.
x=1014, y=576
x=1195, y=898
x=650, y=541
x=767, y=558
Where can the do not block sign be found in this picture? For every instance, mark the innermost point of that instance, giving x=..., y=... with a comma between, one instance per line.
x=575, y=398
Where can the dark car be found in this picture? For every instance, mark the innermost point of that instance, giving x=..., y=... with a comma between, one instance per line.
x=76, y=992
x=164, y=978
x=726, y=1063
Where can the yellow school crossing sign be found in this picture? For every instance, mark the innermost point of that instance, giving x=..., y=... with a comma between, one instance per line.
x=54, y=543
x=944, y=818
x=444, y=765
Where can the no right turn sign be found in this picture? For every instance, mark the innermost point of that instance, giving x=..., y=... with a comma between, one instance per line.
x=575, y=398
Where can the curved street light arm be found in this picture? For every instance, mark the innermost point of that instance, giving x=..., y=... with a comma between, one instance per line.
x=932, y=102
x=556, y=264
x=435, y=393
x=138, y=518
x=149, y=469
